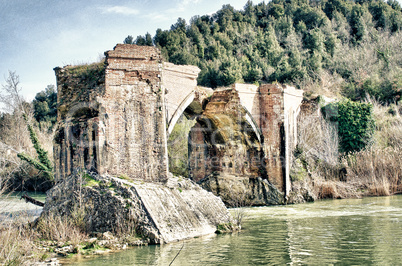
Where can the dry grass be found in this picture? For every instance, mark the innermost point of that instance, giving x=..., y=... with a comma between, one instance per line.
x=323, y=83
x=318, y=147
x=22, y=244
x=375, y=171
x=334, y=189
x=60, y=229
x=378, y=169
x=17, y=245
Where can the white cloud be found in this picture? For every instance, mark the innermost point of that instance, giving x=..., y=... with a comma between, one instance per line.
x=187, y=2
x=182, y=4
x=122, y=10
x=171, y=14
x=158, y=17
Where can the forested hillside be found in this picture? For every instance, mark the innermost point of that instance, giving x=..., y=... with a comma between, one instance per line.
x=329, y=47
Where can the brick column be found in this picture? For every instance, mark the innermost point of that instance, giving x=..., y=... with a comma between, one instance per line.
x=272, y=129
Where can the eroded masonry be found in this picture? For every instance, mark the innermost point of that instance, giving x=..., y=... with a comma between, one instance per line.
x=114, y=118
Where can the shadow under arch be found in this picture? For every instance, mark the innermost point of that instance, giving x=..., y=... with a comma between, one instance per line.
x=179, y=126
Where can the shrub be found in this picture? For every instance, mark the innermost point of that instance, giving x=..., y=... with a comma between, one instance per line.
x=355, y=124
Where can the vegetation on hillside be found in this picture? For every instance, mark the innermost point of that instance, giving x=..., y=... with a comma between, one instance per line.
x=333, y=46
x=44, y=106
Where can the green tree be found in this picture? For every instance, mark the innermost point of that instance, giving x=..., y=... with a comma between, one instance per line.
x=274, y=51
x=129, y=40
x=45, y=107
x=357, y=24
x=148, y=39
x=314, y=41
x=140, y=40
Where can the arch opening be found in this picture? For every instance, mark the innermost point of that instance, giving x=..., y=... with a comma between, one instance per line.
x=178, y=138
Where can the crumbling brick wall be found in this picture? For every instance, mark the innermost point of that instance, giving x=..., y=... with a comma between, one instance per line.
x=78, y=116
x=222, y=142
x=215, y=150
x=115, y=124
x=272, y=129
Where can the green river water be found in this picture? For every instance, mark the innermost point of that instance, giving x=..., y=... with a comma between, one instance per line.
x=334, y=232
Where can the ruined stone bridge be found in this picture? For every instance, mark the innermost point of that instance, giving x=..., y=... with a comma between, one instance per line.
x=115, y=117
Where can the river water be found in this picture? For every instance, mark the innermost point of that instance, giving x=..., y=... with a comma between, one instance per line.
x=12, y=208
x=346, y=232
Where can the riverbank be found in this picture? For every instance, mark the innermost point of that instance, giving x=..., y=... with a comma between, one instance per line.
x=21, y=244
x=91, y=214
x=46, y=242
x=347, y=232
x=320, y=171
x=314, y=190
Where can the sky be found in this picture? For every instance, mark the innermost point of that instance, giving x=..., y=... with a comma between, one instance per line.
x=37, y=36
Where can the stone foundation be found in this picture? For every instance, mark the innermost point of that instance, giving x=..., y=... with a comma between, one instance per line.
x=159, y=213
x=240, y=191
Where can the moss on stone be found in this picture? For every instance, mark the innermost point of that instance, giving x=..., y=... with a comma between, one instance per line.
x=90, y=181
x=124, y=177
x=224, y=228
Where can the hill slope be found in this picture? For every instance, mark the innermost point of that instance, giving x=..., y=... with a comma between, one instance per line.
x=334, y=46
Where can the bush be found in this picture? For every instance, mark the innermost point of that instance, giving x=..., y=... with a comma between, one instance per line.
x=355, y=124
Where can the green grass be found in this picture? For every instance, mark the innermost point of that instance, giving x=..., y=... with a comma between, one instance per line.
x=90, y=181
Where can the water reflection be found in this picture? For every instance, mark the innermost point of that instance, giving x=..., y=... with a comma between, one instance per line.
x=356, y=231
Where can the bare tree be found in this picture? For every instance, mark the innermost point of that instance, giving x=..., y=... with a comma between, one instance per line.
x=14, y=135
x=10, y=95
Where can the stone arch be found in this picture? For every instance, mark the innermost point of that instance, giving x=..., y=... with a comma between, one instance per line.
x=253, y=124
x=181, y=109
x=191, y=106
